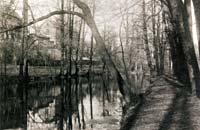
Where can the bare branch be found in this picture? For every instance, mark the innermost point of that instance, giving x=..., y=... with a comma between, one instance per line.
x=13, y=16
x=43, y=18
x=123, y=54
x=32, y=15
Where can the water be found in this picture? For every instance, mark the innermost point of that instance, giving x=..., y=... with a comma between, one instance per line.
x=44, y=105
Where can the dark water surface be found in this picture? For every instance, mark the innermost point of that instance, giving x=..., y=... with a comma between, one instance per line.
x=43, y=105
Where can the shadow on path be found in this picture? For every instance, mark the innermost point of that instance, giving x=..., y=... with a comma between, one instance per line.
x=178, y=116
x=166, y=108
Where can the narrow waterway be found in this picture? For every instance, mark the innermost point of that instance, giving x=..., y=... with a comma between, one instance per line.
x=43, y=105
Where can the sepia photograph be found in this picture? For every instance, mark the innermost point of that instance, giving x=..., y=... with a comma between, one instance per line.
x=99, y=64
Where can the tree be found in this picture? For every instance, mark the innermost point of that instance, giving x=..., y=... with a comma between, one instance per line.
x=196, y=4
x=123, y=87
x=146, y=41
x=156, y=38
x=188, y=45
x=62, y=39
x=181, y=25
x=179, y=64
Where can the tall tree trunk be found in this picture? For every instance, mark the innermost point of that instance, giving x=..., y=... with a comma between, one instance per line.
x=23, y=65
x=80, y=85
x=179, y=63
x=188, y=46
x=162, y=49
x=77, y=74
x=71, y=36
x=122, y=49
x=196, y=4
x=155, y=38
x=178, y=56
x=62, y=39
x=90, y=81
x=90, y=78
x=1, y=110
x=146, y=41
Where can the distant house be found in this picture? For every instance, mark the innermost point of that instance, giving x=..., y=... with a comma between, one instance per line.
x=43, y=51
x=95, y=61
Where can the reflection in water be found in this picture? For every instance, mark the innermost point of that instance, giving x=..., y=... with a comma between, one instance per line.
x=44, y=106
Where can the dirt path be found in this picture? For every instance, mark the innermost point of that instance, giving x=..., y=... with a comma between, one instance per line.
x=167, y=107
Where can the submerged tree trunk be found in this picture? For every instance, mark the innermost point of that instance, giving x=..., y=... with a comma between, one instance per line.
x=90, y=79
x=90, y=75
x=82, y=106
x=71, y=37
x=62, y=39
x=24, y=66
x=77, y=75
x=80, y=84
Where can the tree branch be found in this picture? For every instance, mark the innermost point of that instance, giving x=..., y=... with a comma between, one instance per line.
x=43, y=18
